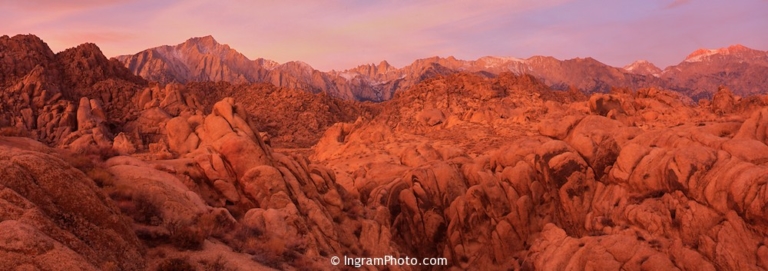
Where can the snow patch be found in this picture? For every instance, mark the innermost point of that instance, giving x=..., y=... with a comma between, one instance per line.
x=643, y=66
x=701, y=55
x=635, y=65
x=348, y=75
x=494, y=61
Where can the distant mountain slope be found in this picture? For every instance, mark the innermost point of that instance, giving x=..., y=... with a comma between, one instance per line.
x=643, y=67
x=204, y=59
x=197, y=59
x=743, y=70
x=698, y=76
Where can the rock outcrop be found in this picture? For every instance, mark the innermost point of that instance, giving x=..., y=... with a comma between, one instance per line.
x=492, y=171
x=54, y=217
x=59, y=98
x=641, y=180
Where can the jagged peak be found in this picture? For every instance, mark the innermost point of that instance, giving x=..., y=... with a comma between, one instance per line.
x=739, y=47
x=429, y=59
x=639, y=63
x=205, y=45
x=542, y=58
x=24, y=37
x=300, y=64
x=643, y=67
x=588, y=59
x=267, y=63
x=87, y=49
x=699, y=54
x=27, y=42
x=501, y=59
x=384, y=65
x=88, y=46
x=702, y=53
x=204, y=40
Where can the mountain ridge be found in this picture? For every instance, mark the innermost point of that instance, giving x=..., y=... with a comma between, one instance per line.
x=205, y=59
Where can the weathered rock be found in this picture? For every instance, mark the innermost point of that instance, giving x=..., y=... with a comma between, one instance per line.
x=261, y=183
x=123, y=145
x=172, y=197
x=756, y=127
x=602, y=104
x=723, y=101
x=181, y=138
x=54, y=216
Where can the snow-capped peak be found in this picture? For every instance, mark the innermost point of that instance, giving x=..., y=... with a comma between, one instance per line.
x=495, y=61
x=643, y=67
x=635, y=65
x=702, y=54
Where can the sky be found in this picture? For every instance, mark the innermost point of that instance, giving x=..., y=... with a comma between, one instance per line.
x=342, y=34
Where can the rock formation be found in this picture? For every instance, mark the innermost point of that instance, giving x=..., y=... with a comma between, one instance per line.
x=54, y=217
x=642, y=180
x=104, y=171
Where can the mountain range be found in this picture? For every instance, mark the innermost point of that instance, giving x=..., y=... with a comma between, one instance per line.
x=698, y=76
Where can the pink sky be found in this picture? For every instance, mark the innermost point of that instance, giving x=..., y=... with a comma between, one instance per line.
x=341, y=34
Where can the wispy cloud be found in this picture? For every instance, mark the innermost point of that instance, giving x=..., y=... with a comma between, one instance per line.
x=339, y=34
x=42, y=5
x=677, y=3
x=98, y=37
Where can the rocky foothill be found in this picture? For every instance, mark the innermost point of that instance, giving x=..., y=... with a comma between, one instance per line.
x=102, y=170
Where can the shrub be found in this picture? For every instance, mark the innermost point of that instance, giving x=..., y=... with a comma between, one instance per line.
x=208, y=223
x=101, y=176
x=186, y=235
x=148, y=208
x=93, y=170
x=270, y=253
x=106, y=153
x=175, y=264
x=191, y=238
x=78, y=161
x=275, y=252
x=103, y=152
x=216, y=265
x=110, y=266
x=267, y=250
x=14, y=131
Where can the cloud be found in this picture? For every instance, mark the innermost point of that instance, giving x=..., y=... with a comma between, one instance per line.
x=340, y=34
x=325, y=33
x=45, y=5
x=97, y=37
x=677, y=3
